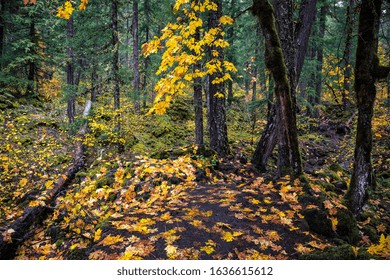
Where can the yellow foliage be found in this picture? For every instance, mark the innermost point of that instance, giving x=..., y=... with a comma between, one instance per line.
x=65, y=11
x=226, y=20
x=23, y=182
x=182, y=50
x=207, y=249
x=382, y=249
x=83, y=5
x=111, y=240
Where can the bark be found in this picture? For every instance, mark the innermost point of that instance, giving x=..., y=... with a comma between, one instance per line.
x=256, y=66
x=127, y=56
x=307, y=14
x=347, y=53
x=136, y=81
x=366, y=73
x=198, y=102
x=94, y=79
x=71, y=109
x=115, y=58
x=2, y=32
x=289, y=160
x=230, y=36
x=217, y=111
x=320, y=53
x=147, y=59
x=31, y=63
x=33, y=216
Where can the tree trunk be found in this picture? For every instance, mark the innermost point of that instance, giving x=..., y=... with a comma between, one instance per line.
x=320, y=53
x=115, y=58
x=217, y=114
x=198, y=102
x=307, y=14
x=366, y=73
x=71, y=109
x=136, y=80
x=256, y=64
x=289, y=160
x=128, y=31
x=31, y=63
x=2, y=32
x=147, y=59
x=347, y=53
x=231, y=56
x=94, y=79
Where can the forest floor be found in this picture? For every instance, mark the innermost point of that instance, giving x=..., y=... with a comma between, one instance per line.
x=176, y=204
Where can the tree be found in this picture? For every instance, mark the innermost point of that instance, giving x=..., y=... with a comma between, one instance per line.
x=294, y=49
x=217, y=110
x=347, y=52
x=71, y=109
x=136, y=79
x=181, y=55
x=367, y=72
x=286, y=126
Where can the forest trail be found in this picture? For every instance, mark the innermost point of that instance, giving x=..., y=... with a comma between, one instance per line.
x=230, y=214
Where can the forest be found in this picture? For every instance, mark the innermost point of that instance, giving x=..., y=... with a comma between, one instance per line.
x=194, y=129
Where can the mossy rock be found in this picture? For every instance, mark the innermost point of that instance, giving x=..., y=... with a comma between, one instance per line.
x=341, y=252
x=347, y=228
x=318, y=222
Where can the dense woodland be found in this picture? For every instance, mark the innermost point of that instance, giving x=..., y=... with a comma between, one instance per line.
x=194, y=129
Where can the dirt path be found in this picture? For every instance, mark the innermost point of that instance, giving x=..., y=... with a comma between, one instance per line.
x=234, y=217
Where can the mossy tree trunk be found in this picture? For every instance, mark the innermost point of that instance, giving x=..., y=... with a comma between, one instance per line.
x=286, y=125
x=366, y=73
x=198, y=101
x=289, y=160
x=217, y=112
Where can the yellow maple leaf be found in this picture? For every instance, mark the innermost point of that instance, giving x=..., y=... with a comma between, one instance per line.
x=227, y=236
x=334, y=223
x=49, y=184
x=267, y=201
x=98, y=234
x=207, y=249
x=34, y=203
x=111, y=240
x=302, y=249
x=226, y=20
x=23, y=182
x=171, y=250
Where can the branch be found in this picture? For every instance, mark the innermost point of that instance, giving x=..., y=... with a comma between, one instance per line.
x=240, y=13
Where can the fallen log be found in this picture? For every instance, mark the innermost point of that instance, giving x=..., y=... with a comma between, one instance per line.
x=19, y=230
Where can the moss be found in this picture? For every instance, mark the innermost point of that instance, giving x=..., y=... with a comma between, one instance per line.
x=104, y=181
x=318, y=222
x=77, y=254
x=335, y=167
x=347, y=228
x=341, y=252
x=371, y=232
